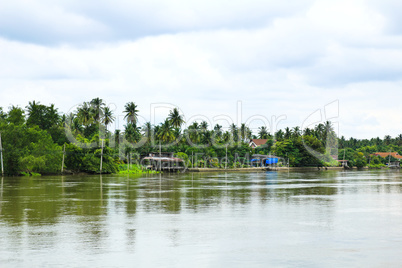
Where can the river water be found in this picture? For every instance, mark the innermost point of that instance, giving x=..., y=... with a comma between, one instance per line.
x=312, y=219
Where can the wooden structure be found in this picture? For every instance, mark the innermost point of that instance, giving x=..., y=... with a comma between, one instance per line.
x=163, y=162
x=344, y=163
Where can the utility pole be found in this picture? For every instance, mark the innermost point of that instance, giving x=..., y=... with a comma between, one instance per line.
x=226, y=159
x=1, y=152
x=389, y=158
x=62, y=162
x=160, y=155
x=128, y=163
x=192, y=159
x=101, y=158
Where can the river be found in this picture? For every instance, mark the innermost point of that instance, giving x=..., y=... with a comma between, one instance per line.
x=262, y=219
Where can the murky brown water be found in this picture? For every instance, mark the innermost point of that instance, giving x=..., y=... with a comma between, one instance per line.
x=317, y=219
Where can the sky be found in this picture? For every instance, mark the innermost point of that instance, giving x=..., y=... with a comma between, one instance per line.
x=258, y=62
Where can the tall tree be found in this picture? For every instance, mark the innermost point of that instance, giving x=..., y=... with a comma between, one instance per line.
x=97, y=107
x=204, y=125
x=175, y=119
x=166, y=133
x=218, y=130
x=108, y=117
x=234, y=131
x=263, y=132
x=243, y=131
x=132, y=133
x=147, y=131
x=84, y=114
x=16, y=115
x=131, y=112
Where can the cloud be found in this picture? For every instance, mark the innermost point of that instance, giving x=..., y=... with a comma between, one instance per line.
x=205, y=57
x=78, y=22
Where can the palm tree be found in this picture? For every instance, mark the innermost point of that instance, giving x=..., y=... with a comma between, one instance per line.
x=165, y=133
x=131, y=112
x=117, y=137
x=296, y=131
x=31, y=107
x=263, y=132
x=176, y=120
x=279, y=135
x=84, y=114
x=132, y=133
x=97, y=106
x=307, y=132
x=387, y=139
x=204, y=125
x=243, y=131
x=288, y=133
x=399, y=139
x=234, y=131
x=147, y=131
x=226, y=136
x=108, y=117
x=218, y=130
x=193, y=132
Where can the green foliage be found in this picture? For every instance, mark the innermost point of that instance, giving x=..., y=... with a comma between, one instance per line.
x=134, y=169
x=15, y=116
x=34, y=144
x=184, y=157
x=29, y=149
x=88, y=159
x=360, y=160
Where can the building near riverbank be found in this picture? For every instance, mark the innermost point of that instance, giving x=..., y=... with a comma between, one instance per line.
x=257, y=142
x=388, y=154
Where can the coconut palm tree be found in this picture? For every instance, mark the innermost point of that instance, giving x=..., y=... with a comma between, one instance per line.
x=148, y=131
x=226, y=136
x=263, y=132
x=387, y=139
x=97, y=106
x=218, y=130
x=193, y=132
x=204, y=125
x=279, y=135
x=234, y=131
x=117, y=137
x=307, y=132
x=132, y=132
x=166, y=133
x=296, y=131
x=175, y=119
x=245, y=132
x=288, y=133
x=131, y=112
x=108, y=117
x=84, y=114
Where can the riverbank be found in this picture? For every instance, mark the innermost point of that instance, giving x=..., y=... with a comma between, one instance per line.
x=262, y=169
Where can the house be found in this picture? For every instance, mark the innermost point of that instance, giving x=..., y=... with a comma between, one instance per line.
x=257, y=142
x=163, y=162
x=384, y=155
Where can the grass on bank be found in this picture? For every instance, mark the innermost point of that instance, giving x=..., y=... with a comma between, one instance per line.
x=134, y=169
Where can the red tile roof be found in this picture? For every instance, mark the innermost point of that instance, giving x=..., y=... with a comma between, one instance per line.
x=259, y=142
x=393, y=154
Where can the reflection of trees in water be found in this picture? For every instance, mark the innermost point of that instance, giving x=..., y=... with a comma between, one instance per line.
x=197, y=191
x=41, y=201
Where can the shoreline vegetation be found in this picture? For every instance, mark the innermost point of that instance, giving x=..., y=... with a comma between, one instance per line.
x=39, y=140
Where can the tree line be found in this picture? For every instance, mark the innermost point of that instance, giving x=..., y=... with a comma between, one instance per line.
x=36, y=137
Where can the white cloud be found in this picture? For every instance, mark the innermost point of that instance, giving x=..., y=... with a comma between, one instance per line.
x=211, y=55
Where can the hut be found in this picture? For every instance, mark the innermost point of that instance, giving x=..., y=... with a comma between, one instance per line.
x=163, y=162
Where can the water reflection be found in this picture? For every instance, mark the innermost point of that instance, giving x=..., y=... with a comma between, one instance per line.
x=98, y=215
x=44, y=200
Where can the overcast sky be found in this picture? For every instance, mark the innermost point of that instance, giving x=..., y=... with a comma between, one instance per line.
x=236, y=61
